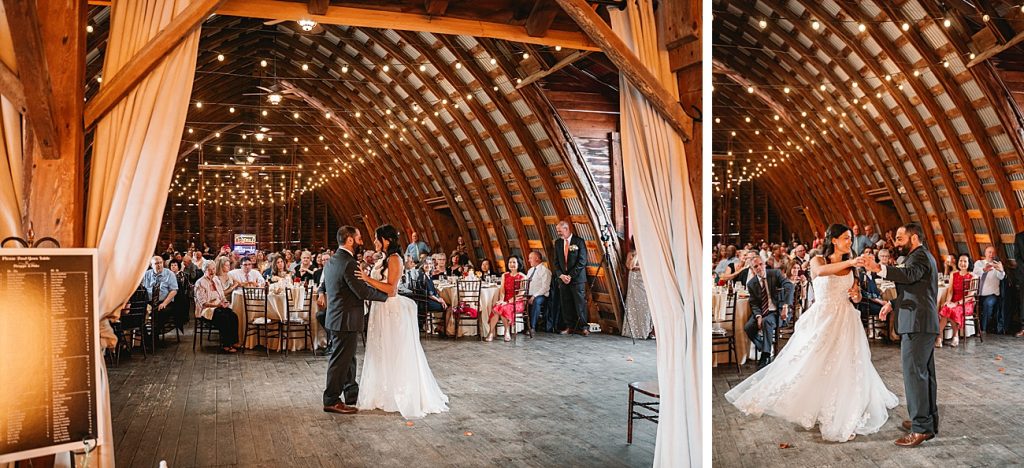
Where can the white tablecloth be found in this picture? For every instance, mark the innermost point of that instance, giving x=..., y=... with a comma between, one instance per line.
x=276, y=309
x=743, y=344
x=488, y=297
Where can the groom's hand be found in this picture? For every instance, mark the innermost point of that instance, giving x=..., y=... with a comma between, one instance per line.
x=882, y=314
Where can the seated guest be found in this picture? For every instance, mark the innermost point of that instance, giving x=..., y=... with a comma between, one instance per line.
x=485, y=268
x=200, y=261
x=180, y=305
x=456, y=267
x=871, y=297
x=540, y=286
x=768, y=287
x=212, y=305
x=162, y=287
x=740, y=273
x=367, y=262
x=416, y=246
x=991, y=272
x=304, y=270
x=954, y=306
x=777, y=260
x=798, y=276
x=435, y=303
x=223, y=269
x=800, y=254
x=885, y=258
x=290, y=260
x=321, y=260
x=278, y=270
x=168, y=253
x=949, y=265
x=507, y=307
x=260, y=263
x=728, y=258
x=191, y=271
x=246, y=276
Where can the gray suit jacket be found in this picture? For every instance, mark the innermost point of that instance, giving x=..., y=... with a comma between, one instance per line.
x=779, y=287
x=917, y=285
x=346, y=293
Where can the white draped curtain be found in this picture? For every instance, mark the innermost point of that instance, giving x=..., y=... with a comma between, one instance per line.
x=668, y=242
x=135, y=149
x=11, y=137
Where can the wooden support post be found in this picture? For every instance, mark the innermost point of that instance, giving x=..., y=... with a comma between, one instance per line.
x=541, y=17
x=318, y=7
x=435, y=7
x=630, y=66
x=28, y=42
x=147, y=58
x=11, y=88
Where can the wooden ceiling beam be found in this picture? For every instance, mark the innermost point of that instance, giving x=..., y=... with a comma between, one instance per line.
x=566, y=61
x=541, y=17
x=362, y=17
x=318, y=7
x=147, y=58
x=435, y=7
x=12, y=89
x=34, y=74
x=631, y=66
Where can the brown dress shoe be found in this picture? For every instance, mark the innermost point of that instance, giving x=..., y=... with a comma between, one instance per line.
x=907, y=425
x=913, y=439
x=585, y=332
x=341, y=408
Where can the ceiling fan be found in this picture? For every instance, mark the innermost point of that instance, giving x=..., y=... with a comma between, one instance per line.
x=307, y=26
x=262, y=134
x=274, y=96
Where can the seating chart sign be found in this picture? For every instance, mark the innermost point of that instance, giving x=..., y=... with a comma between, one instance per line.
x=245, y=244
x=49, y=343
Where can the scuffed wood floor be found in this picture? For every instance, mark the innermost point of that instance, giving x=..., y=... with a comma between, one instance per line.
x=547, y=401
x=981, y=413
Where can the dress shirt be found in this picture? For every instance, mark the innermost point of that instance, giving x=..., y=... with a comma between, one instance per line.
x=764, y=289
x=416, y=248
x=990, y=281
x=540, y=280
x=166, y=279
x=253, y=277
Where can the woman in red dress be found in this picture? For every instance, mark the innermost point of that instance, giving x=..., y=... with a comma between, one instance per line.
x=508, y=305
x=955, y=307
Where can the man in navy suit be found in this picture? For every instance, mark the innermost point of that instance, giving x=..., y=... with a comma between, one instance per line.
x=570, y=259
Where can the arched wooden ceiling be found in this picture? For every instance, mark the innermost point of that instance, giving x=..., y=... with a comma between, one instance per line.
x=443, y=126
x=863, y=112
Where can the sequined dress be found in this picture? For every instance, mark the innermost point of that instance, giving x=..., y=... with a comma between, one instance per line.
x=637, y=323
x=824, y=374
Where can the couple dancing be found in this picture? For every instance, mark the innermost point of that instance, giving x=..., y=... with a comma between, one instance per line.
x=396, y=376
x=824, y=375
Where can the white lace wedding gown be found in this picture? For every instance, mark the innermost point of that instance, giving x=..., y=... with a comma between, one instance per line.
x=396, y=376
x=824, y=373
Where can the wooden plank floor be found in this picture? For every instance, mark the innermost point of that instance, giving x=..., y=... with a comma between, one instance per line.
x=550, y=401
x=981, y=411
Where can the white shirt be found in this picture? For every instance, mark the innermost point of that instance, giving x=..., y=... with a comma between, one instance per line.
x=540, y=280
x=990, y=287
x=252, y=277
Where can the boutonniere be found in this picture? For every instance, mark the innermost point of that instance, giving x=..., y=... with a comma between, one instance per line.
x=573, y=248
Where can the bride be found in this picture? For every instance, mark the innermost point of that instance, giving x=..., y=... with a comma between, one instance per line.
x=396, y=376
x=824, y=374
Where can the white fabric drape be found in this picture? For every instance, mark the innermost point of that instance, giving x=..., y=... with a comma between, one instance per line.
x=133, y=159
x=665, y=223
x=11, y=165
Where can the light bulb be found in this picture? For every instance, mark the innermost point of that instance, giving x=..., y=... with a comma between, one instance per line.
x=220, y=57
x=815, y=25
x=763, y=24
x=906, y=26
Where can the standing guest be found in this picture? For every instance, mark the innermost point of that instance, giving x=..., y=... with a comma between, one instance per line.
x=858, y=240
x=168, y=254
x=637, y=322
x=162, y=287
x=955, y=306
x=224, y=250
x=304, y=270
x=506, y=308
x=246, y=276
x=990, y=270
x=207, y=250
x=540, y=286
x=571, y=271
x=870, y=236
x=416, y=247
x=212, y=305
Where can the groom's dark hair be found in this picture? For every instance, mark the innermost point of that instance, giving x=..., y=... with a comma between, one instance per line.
x=912, y=229
x=344, y=233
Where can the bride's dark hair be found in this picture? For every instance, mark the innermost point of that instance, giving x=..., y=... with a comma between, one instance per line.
x=388, y=233
x=833, y=232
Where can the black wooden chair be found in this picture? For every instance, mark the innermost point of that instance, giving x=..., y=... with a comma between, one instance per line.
x=132, y=324
x=728, y=339
x=203, y=325
x=257, y=322
x=785, y=330
x=521, y=316
x=970, y=295
x=298, y=319
x=649, y=389
x=468, y=296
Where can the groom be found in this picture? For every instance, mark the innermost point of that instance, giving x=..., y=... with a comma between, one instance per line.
x=345, y=296
x=918, y=323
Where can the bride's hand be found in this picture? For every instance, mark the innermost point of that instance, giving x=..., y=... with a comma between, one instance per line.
x=857, y=262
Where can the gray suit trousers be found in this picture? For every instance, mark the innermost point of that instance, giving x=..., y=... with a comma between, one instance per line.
x=918, y=353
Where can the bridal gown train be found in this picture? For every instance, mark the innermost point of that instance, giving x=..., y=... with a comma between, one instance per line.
x=824, y=373
x=396, y=376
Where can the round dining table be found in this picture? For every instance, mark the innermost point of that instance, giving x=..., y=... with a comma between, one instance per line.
x=742, y=314
x=488, y=297
x=277, y=308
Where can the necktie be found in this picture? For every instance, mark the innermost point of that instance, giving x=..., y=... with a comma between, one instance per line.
x=764, y=297
x=565, y=248
x=155, y=293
